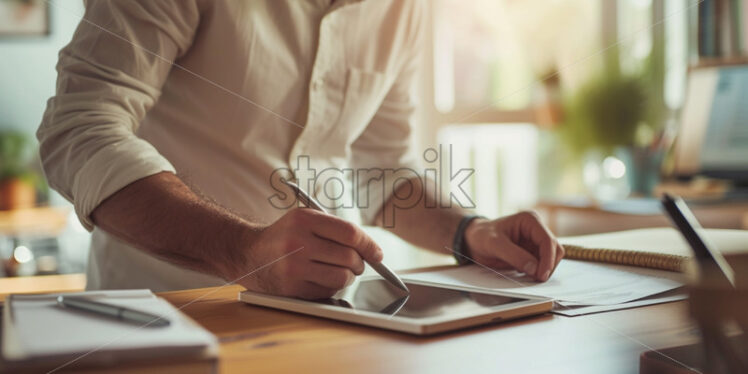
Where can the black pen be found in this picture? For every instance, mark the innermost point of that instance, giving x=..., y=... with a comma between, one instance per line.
x=113, y=311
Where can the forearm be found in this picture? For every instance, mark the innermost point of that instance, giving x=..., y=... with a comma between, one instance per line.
x=425, y=223
x=162, y=216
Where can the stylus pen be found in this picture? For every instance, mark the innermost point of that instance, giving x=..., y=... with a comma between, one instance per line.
x=113, y=311
x=380, y=267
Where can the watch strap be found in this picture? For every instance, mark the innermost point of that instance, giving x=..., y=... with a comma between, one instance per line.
x=459, y=245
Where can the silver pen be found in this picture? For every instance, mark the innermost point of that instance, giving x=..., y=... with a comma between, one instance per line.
x=112, y=311
x=380, y=267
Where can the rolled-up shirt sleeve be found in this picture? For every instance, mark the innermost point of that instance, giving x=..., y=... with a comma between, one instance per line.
x=109, y=76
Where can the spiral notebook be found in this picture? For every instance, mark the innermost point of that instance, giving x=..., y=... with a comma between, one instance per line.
x=642, y=259
x=658, y=248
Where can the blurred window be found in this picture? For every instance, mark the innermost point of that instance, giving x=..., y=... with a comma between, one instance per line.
x=494, y=53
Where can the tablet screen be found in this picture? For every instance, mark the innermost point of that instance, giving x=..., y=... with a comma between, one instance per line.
x=378, y=295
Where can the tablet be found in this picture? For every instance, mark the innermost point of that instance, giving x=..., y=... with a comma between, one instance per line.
x=426, y=310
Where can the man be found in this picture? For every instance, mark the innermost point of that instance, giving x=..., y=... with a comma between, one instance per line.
x=224, y=93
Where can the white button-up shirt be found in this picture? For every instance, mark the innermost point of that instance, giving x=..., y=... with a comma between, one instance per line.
x=225, y=93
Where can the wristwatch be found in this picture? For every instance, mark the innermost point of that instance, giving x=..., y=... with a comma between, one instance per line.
x=459, y=245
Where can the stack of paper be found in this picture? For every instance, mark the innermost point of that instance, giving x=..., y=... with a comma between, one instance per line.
x=573, y=282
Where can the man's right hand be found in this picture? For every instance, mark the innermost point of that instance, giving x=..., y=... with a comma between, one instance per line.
x=307, y=254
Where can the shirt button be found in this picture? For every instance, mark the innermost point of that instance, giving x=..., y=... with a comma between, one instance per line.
x=318, y=84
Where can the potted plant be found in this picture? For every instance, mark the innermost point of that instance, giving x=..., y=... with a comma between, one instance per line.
x=18, y=181
x=618, y=114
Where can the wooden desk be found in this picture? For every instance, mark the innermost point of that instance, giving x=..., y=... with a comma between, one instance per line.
x=260, y=340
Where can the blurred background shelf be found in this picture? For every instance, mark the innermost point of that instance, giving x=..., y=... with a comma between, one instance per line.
x=39, y=221
x=42, y=284
x=708, y=62
x=583, y=217
x=41, y=240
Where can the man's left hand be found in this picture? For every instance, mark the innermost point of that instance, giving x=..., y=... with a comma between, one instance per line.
x=518, y=241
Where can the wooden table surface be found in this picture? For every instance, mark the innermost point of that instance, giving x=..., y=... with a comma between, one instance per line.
x=259, y=340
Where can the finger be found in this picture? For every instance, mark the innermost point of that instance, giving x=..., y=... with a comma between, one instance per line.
x=328, y=276
x=498, y=264
x=533, y=229
x=560, y=253
x=347, y=234
x=517, y=257
x=313, y=291
x=332, y=253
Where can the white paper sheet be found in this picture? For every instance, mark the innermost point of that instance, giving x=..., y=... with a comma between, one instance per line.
x=667, y=297
x=573, y=283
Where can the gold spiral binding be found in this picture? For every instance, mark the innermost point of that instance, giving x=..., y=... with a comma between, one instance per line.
x=625, y=257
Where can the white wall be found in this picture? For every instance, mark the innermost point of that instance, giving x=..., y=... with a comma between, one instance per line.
x=27, y=68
